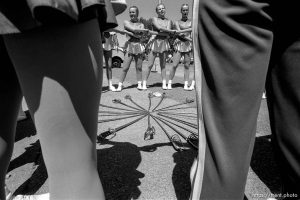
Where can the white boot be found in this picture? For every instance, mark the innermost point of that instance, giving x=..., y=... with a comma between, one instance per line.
x=170, y=85
x=192, y=87
x=120, y=87
x=110, y=86
x=144, y=85
x=164, y=85
x=139, y=87
x=186, y=85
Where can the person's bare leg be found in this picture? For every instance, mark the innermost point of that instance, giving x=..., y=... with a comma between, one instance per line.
x=125, y=68
x=162, y=61
x=187, y=62
x=108, y=65
x=139, y=70
x=151, y=58
x=10, y=100
x=60, y=71
x=176, y=59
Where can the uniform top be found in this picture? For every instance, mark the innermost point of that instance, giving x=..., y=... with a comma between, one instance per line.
x=165, y=23
x=21, y=15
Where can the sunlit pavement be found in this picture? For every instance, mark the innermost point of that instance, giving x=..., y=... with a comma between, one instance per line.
x=133, y=168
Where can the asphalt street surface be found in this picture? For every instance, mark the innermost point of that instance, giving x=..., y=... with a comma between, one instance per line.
x=131, y=167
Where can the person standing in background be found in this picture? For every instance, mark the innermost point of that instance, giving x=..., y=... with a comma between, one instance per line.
x=110, y=43
x=159, y=44
x=183, y=48
x=134, y=48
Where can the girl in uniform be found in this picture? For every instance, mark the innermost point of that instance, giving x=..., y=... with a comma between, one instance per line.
x=183, y=47
x=160, y=44
x=134, y=48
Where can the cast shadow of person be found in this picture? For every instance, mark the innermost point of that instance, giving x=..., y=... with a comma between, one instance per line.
x=181, y=172
x=25, y=128
x=264, y=165
x=117, y=166
x=33, y=154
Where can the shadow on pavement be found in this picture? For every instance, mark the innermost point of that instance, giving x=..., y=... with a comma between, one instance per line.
x=32, y=154
x=264, y=165
x=117, y=166
x=25, y=128
x=181, y=172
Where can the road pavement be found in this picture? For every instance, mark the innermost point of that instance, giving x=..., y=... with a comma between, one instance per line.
x=133, y=168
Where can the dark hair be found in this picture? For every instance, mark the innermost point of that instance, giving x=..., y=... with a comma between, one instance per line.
x=185, y=4
x=159, y=5
x=136, y=8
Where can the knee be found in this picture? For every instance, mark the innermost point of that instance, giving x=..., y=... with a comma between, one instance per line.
x=186, y=66
x=125, y=69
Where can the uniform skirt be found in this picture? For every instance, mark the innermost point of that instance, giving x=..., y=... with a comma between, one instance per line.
x=18, y=16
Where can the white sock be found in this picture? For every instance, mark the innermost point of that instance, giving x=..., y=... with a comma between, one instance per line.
x=170, y=84
x=144, y=84
x=186, y=85
x=193, y=83
x=109, y=83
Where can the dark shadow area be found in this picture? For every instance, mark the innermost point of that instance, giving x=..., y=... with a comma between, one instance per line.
x=25, y=128
x=158, y=84
x=264, y=165
x=32, y=154
x=177, y=85
x=117, y=168
x=181, y=172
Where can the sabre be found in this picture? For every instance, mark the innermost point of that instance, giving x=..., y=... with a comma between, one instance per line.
x=150, y=132
x=191, y=139
x=115, y=107
x=174, y=139
x=119, y=113
x=177, y=108
x=161, y=100
x=179, y=120
x=150, y=96
x=118, y=101
x=113, y=131
x=187, y=101
x=182, y=127
x=132, y=101
x=116, y=119
x=187, y=115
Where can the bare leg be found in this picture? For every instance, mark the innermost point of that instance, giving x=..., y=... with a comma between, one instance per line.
x=139, y=66
x=151, y=59
x=108, y=64
x=125, y=69
x=176, y=59
x=62, y=90
x=162, y=60
x=187, y=62
x=10, y=99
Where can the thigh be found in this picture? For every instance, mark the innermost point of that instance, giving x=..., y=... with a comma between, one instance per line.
x=176, y=58
x=10, y=98
x=107, y=57
x=127, y=61
x=60, y=69
x=187, y=59
x=162, y=59
x=138, y=61
x=151, y=58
